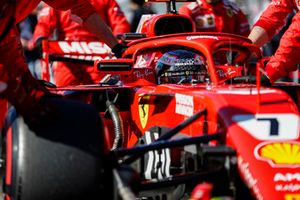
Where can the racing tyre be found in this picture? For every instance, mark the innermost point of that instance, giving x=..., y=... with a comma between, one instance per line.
x=60, y=160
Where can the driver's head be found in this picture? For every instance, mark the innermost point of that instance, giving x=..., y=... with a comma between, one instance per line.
x=7, y=16
x=181, y=66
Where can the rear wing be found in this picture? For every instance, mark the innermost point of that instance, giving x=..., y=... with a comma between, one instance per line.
x=81, y=52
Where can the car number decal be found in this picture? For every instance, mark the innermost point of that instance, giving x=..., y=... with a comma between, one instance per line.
x=158, y=162
x=270, y=126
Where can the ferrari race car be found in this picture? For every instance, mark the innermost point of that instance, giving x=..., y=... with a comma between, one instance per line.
x=176, y=111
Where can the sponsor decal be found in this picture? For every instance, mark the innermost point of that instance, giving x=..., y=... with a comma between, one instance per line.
x=201, y=37
x=287, y=182
x=292, y=197
x=287, y=177
x=290, y=187
x=249, y=179
x=84, y=47
x=143, y=74
x=144, y=112
x=279, y=154
x=199, y=22
x=184, y=104
x=205, y=21
x=275, y=126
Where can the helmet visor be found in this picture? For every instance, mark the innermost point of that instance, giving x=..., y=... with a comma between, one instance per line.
x=181, y=66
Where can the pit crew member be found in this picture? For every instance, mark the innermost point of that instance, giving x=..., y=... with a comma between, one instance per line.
x=217, y=15
x=17, y=85
x=286, y=57
x=61, y=22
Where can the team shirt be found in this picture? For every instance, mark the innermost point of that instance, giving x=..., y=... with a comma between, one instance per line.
x=224, y=17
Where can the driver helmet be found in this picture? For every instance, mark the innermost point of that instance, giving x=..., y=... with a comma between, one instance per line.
x=181, y=66
x=7, y=16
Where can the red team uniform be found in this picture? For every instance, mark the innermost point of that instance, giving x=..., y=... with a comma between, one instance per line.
x=224, y=16
x=286, y=57
x=67, y=29
x=16, y=82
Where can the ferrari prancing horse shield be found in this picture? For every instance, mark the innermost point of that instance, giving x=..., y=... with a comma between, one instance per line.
x=143, y=113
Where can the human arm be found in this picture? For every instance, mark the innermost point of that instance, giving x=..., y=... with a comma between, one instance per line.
x=270, y=22
x=86, y=15
x=47, y=23
x=258, y=36
x=116, y=18
x=98, y=27
x=286, y=57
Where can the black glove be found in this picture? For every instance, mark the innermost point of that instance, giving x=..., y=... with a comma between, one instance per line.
x=119, y=49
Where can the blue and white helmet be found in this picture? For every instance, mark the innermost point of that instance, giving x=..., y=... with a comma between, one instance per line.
x=181, y=66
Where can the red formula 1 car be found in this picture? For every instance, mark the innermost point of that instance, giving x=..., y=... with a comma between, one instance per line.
x=177, y=110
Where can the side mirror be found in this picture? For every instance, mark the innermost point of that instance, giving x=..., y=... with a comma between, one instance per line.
x=114, y=66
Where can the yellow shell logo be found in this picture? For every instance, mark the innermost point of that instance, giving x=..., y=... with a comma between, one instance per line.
x=144, y=112
x=285, y=154
x=292, y=197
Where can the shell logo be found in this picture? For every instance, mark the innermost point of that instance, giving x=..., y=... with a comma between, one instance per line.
x=279, y=154
x=292, y=197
